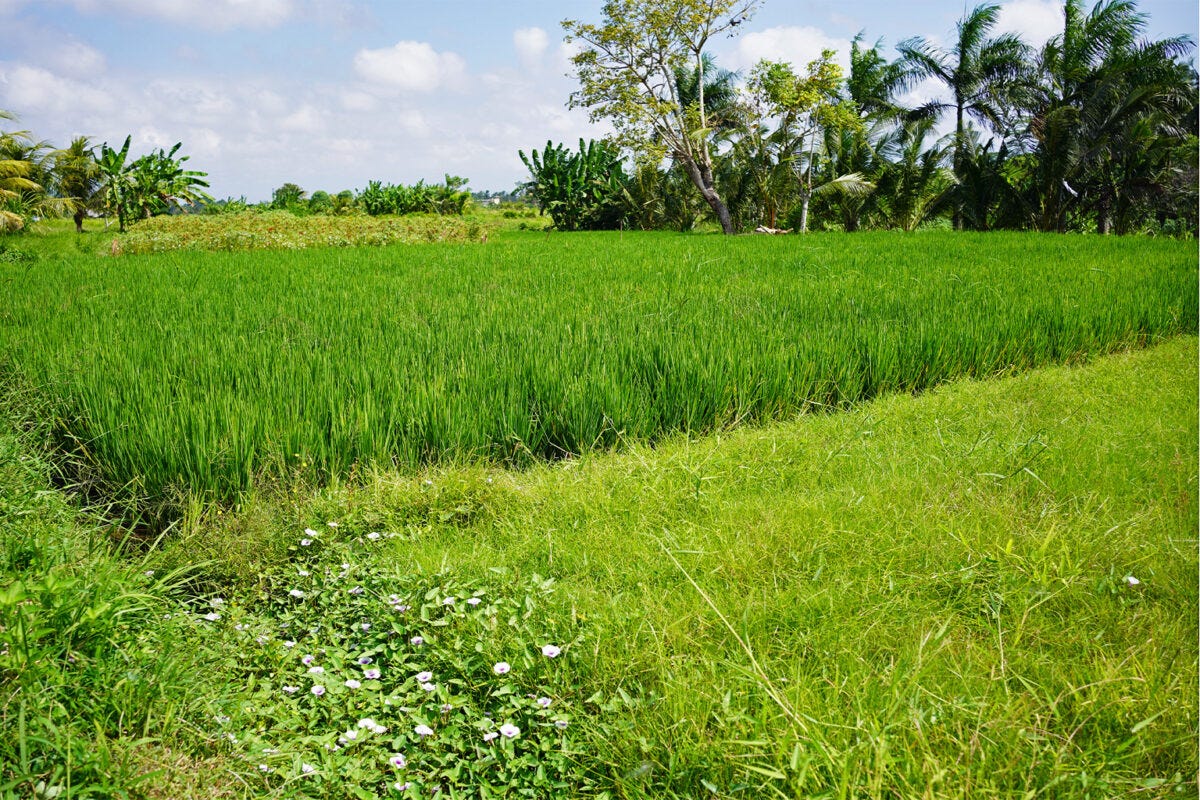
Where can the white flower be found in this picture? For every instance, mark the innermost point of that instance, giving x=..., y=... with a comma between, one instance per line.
x=473, y=601
x=290, y=643
x=307, y=769
x=303, y=573
x=447, y=708
x=501, y=667
x=423, y=730
x=316, y=670
x=401, y=787
x=317, y=689
x=398, y=761
x=332, y=524
x=366, y=626
x=352, y=684
x=356, y=590
x=371, y=674
x=378, y=729
x=509, y=731
x=260, y=639
x=373, y=535
x=212, y=616
x=561, y=724
x=449, y=601
x=216, y=602
x=366, y=722
x=550, y=650
x=149, y=573
x=240, y=627
x=307, y=659
x=424, y=677
x=417, y=640
x=350, y=735
x=1132, y=581
x=544, y=702
x=429, y=687
x=305, y=542
x=263, y=768
x=487, y=737
x=309, y=532
x=296, y=593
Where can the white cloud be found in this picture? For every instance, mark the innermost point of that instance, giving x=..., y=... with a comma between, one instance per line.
x=33, y=89
x=793, y=43
x=1035, y=21
x=75, y=58
x=411, y=66
x=207, y=14
x=531, y=43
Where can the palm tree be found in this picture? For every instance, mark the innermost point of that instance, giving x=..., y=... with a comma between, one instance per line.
x=1102, y=87
x=22, y=170
x=915, y=185
x=77, y=176
x=984, y=74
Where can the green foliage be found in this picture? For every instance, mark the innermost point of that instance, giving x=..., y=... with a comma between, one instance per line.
x=442, y=198
x=584, y=191
x=203, y=371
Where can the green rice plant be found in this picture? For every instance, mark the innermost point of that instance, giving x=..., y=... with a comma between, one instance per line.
x=203, y=372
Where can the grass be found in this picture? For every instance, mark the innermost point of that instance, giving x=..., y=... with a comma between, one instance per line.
x=204, y=372
x=927, y=596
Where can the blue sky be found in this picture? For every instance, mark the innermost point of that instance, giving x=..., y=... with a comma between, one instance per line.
x=332, y=93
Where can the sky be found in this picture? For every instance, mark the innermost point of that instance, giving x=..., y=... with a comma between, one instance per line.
x=331, y=94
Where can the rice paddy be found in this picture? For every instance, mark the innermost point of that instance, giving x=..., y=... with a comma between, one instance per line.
x=208, y=372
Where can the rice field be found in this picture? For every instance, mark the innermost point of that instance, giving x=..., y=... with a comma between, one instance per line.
x=207, y=372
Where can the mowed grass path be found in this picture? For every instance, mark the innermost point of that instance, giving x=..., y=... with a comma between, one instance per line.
x=936, y=589
x=203, y=372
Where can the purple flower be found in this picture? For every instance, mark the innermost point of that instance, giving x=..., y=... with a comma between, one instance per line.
x=398, y=761
x=501, y=668
x=364, y=660
x=318, y=690
x=544, y=702
x=356, y=590
x=509, y=731
x=561, y=724
x=305, y=542
x=371, y=674
x=550, y=650
x=307, y=769
x=417, y=640
x=307, y=659
x=424, y=677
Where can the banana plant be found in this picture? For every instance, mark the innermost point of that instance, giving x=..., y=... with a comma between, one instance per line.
x=580, y=191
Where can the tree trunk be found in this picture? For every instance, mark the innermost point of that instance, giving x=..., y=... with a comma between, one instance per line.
x=958, y=166
x=702, y=177
x=79, y=221
x=804, y=212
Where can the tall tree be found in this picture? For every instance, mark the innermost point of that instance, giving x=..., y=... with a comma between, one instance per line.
x=1104, y=90
x=983, y=74
x=77, y=177
x=627, y=74
x=22, y=179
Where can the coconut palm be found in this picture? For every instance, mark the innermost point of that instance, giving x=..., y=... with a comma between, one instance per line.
x=22, y=179
x=77, y=177
x=984, y=75
x=1104, y=91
